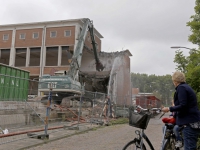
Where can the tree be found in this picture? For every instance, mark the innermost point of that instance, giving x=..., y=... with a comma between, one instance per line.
x=191, y=65
x=193, y=68
x=194, y=25
x=181, y=61
x=161, y=86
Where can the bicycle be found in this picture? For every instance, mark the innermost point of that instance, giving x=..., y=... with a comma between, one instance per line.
x=169, y=138
x=139, y=118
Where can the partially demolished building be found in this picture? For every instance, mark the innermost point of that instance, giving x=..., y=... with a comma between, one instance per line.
x=47, y=47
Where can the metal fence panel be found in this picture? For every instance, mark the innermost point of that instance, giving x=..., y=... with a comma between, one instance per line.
x=28, y=119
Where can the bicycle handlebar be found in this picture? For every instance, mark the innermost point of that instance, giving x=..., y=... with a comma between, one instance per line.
x=144, y=109
x=157, y=110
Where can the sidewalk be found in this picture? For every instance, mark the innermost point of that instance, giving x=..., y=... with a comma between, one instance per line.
x=105, y=138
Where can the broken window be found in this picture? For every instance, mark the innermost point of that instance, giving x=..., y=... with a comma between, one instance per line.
x=20, y=57
x=5, y=56
x=52, y=56
x=66, y=55
x=5, y=37
x=35, y=56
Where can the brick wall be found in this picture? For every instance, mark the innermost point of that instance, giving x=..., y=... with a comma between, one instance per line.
x=29, y=41
x=60, y=39
x=5, y=43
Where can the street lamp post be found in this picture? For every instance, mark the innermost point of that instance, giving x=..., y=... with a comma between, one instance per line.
x=176, y=47
x=145, y=94
x=181, y=47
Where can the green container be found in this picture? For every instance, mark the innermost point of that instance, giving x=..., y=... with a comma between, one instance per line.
x=14, y=83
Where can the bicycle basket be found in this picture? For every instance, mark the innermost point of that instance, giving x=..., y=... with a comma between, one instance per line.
x=138, y=120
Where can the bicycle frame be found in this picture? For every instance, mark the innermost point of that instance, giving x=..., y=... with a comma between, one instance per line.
x=142, y=136
x=163, y=138
x=138, y=141
x=170, y=137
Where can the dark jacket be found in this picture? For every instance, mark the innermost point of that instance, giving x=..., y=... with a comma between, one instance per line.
x=185, y=102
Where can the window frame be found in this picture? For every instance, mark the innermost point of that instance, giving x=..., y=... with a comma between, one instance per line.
x=21, y=37
x=51, y=34
x=34, y=34
x=66, y=32
x=4, y=36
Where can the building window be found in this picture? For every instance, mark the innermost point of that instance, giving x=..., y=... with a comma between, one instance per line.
x=5, y=36
x=20, y=57
x=67, y=33
x=52, y=56
x=53, y=34
x=5, y=56
x=35, y=56
x=35, y=35
x=22, y=36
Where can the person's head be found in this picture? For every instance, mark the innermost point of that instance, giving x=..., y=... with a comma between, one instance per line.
x=178, y=77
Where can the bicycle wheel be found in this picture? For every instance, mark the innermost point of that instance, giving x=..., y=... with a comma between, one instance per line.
x=133, y=145
x=169, y=144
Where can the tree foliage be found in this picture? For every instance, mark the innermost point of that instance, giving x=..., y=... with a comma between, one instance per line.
x=194, y=25
x=190, y=65
x=181, y=61
x=161, y=86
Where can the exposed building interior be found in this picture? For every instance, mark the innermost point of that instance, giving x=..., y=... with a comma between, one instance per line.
x=44, y=48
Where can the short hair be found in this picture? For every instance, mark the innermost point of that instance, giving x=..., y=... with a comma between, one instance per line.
x=178, y=77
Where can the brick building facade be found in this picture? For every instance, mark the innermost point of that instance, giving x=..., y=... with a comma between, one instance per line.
x=47, y=47
x=42, y=47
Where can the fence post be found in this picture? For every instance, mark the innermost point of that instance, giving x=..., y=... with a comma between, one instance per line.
x=79, y=110
x=103, y=107
x=48, y=108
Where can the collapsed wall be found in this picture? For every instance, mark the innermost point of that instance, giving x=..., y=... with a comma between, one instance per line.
x=114, y=80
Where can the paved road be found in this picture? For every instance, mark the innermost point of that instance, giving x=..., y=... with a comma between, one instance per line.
x=106, y=138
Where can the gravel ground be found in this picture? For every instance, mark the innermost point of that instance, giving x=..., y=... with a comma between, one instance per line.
x=106, y=138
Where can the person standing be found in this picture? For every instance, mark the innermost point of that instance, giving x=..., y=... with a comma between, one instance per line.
x=108, y=107
x=186, y=109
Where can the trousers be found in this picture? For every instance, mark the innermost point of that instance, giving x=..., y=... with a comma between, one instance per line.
x=176, y=131
x=190, y=137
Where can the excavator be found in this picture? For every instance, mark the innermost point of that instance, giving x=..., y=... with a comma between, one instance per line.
x=68, y=83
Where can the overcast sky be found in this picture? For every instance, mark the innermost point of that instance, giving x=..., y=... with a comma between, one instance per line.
x=147, y=28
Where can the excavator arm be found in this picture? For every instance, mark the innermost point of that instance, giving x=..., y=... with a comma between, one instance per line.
x=68, y=84
x=99, y=65
x=77, y=56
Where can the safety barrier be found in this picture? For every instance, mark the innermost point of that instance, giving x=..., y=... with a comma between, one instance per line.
x=27, y=118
